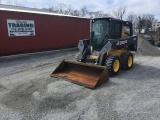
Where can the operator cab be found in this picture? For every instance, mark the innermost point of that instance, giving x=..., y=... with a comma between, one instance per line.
x=104, y=29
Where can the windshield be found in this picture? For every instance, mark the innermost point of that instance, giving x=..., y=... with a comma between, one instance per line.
x=100, y=28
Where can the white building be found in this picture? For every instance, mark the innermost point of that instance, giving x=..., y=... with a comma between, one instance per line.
x=155, y=26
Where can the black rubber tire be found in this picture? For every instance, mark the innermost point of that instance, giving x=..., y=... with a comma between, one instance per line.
x=110, y=62
x=124, y=60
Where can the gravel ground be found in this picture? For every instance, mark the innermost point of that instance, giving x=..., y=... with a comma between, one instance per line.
x=28, y=93
x=145, y=48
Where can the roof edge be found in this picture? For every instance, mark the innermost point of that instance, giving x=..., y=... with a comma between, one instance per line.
x=39, y=12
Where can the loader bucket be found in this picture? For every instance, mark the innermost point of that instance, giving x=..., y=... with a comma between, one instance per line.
x=85, y=74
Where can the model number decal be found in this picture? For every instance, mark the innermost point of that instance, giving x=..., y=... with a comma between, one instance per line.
x=121, y=42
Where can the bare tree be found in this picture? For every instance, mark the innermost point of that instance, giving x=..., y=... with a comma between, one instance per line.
x=106, y=15
x=98, y=14
x=68, y=10
x=150, y=19
x=62, y=7
x=119, y=13
x=132, y=18
x=140, y=19
x=50, y=9
x=75, y=13
x=84, y=11
x=91, y=14
x=16, y=2
x=95, y=14
x=53, y=9
x=145, y=21
x=156, y=20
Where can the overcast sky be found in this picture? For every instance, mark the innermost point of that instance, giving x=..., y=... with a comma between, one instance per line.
x=135, y=6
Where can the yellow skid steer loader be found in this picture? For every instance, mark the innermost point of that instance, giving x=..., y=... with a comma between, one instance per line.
x=111, y=47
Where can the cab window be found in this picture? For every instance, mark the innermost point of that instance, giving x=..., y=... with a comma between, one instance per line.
x=116, y=30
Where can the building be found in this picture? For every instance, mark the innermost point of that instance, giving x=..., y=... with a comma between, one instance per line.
x=26, y=30
x=155, y=26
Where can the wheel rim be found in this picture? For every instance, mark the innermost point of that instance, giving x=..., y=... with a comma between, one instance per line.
x=116, y=65
x=130, y=61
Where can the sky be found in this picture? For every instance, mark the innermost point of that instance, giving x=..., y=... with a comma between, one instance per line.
x=135, y=6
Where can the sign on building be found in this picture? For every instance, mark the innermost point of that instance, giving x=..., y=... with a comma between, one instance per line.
x=20, y=27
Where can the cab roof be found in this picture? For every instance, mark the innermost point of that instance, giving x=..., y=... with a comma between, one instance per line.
x=111, y=19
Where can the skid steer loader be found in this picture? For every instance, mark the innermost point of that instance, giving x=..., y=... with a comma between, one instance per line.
x=111, y=47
